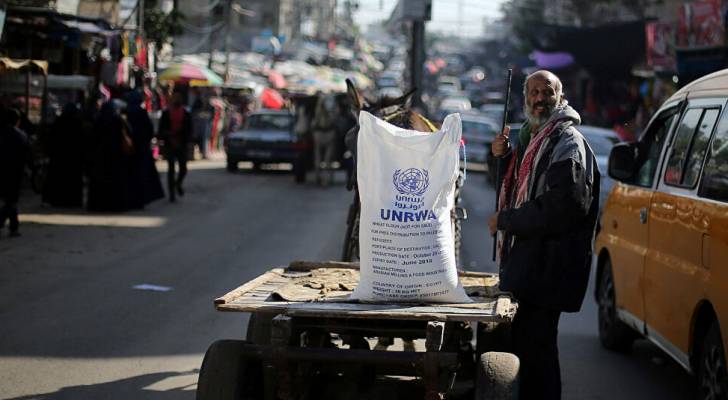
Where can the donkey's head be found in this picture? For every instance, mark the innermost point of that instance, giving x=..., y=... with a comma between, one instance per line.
x=395, y=110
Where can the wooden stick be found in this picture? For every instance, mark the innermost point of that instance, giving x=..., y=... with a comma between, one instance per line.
x=497, y=161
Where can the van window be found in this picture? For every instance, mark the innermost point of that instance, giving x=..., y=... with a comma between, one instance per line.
x=651, y=147
x=699, y=147
x=689, y=146
x=714, y=184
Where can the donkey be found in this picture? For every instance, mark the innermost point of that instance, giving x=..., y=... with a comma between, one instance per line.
x=324, y=137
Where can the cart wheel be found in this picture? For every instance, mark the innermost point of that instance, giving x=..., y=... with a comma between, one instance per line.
x=226, y=375
x=497, y=377
x=259, y=328
x=492, y=336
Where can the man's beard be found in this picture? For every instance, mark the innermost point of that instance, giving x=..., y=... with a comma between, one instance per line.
x=538, y=120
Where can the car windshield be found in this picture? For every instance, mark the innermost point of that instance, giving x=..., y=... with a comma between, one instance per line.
x=267, y=122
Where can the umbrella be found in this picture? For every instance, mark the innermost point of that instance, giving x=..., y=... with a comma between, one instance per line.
x=185, y=73
x=271, y=98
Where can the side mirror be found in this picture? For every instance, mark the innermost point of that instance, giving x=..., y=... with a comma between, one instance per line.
x=622, y=161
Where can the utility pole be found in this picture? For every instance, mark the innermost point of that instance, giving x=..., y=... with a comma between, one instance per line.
x=228, y=21
x=140, y=14
x=211, y=36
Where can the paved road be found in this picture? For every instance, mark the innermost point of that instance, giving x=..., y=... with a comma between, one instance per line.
x=73, y=327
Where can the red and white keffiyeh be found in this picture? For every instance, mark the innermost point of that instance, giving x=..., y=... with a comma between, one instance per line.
x=517, y=185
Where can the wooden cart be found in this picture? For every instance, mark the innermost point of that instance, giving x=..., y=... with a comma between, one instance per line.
x=306, y=340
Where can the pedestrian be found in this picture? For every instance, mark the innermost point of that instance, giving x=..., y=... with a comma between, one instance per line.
x=174, y=132
x=145, y=185
x=323, y=126
x=14, y=156
x=201, y=116
x=111, y=162
x=547, y=212
x=63, y=186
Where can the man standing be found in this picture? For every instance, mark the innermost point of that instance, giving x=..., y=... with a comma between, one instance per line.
x=547, y=213
x=175, y=127
x=14, y=156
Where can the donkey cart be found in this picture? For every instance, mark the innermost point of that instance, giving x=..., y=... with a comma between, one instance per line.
x=306, y=340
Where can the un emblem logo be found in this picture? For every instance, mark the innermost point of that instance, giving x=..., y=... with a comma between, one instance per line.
x=412, y=181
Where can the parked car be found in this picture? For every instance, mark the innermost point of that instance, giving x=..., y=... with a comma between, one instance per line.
x=448, y=85
x=478, y=133
x=661, y=253
x=389, y=79
x=391, y=92
x=450, y=105
x=267, y=136
x=601, y=141
x=493, y=110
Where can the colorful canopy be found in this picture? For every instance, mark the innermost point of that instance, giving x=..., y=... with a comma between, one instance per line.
x=186, y=73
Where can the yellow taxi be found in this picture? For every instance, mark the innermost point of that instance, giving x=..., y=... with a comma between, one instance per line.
x=662, y=250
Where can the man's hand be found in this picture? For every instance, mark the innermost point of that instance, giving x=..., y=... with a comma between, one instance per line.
x=493, y=224
x=500, y=145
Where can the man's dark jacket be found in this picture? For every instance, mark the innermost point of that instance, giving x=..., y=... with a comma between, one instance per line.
x=551, y=233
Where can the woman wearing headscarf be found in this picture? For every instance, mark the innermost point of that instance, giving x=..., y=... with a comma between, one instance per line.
x=144, y=178
x=64, y=184
x=109, y=174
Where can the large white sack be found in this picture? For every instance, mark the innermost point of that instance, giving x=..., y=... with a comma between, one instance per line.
x=406, y=184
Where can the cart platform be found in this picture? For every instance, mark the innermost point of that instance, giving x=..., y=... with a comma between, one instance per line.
x=322, y=289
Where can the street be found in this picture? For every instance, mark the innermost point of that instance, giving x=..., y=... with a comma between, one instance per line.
x=72, y=325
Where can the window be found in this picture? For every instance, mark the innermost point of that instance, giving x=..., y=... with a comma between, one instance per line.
x=699, y=147
x=651, y=146
x=714, y=184
x=688, y=149
x=282, y=122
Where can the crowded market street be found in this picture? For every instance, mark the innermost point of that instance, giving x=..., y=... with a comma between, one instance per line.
x=74, y=326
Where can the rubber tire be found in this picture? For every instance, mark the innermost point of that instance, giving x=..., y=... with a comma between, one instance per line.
x=614, y=334
x=232, y=166
x=712, y=352
x=260, y=327
x=222, y=372
x=497, y=376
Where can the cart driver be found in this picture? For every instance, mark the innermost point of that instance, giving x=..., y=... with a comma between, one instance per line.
x=547, y=212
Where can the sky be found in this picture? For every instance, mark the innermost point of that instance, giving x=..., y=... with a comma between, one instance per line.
x=459, y=17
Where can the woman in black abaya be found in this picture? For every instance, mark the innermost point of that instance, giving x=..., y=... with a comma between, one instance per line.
x=64, y=184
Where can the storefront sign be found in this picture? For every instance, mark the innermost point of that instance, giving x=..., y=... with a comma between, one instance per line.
x=660, y=45
x=700, y=24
